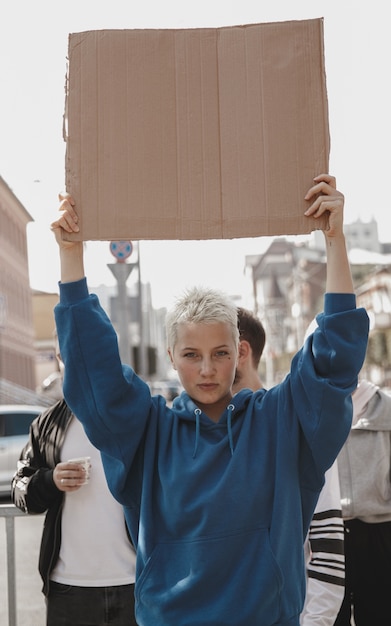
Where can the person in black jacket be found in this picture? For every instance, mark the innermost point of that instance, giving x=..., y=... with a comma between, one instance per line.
x=86, y=561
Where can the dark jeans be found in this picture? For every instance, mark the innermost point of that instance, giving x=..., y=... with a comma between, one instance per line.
x=368, y=575
x=90, y=606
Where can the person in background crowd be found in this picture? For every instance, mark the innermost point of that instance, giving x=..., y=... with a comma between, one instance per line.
x=324, y=545
x=364, y=466
x=218, y=491
x=86, y=561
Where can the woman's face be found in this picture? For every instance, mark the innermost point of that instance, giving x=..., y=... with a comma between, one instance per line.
x=205, y=357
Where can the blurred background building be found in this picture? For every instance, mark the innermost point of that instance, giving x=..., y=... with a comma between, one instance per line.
x=17, y=354
x=288, y=285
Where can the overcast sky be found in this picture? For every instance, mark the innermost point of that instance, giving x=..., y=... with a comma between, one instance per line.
x=33, y=50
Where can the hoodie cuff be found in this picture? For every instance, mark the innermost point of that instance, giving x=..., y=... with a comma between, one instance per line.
x=339, y=302
x=70, y=293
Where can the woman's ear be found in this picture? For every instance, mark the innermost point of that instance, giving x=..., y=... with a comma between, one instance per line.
x=171, y=358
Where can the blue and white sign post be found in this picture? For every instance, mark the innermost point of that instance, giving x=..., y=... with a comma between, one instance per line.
x=121, y=270
x=121, y=250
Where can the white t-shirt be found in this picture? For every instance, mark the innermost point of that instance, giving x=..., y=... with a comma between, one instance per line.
x=95, y=550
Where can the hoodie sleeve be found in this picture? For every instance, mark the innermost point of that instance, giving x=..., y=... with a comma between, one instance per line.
x=108, y=397
x=324, y=374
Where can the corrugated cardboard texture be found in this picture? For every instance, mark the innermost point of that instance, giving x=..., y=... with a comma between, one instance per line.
x=196, y=133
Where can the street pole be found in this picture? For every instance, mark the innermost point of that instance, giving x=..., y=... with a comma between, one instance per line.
x=142, y=346
x=121, y=272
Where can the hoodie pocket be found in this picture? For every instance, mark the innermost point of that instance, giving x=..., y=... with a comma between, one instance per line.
x=226, y=579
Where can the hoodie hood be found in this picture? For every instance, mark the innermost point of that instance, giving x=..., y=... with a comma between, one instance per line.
x=186, y=409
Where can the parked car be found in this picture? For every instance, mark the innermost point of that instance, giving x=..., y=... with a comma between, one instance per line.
x=15, y=420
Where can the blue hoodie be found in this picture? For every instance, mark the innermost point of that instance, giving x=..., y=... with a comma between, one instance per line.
x=218, y=511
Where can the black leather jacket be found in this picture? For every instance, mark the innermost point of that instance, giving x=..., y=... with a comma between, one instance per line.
x=33, y=489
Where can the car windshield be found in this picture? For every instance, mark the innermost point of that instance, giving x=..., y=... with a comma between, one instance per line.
x=15, y=424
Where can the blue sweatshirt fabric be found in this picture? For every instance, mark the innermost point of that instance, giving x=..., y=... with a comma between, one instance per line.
x=218, y=511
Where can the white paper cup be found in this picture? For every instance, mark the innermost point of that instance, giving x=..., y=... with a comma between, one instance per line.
x=85, y=461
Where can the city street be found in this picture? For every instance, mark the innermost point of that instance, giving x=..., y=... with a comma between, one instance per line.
x=29, y=598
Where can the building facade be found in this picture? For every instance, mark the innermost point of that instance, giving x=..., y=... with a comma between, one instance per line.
x=17, y=359
x=288, y=287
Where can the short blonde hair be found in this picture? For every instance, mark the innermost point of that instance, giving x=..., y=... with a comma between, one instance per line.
x=201, y=305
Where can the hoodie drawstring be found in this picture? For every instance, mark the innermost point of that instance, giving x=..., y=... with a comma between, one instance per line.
x=231, y=409
x=197, y=417
x=197, y=413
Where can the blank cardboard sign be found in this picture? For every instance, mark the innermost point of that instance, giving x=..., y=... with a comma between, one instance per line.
x=196, y=133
